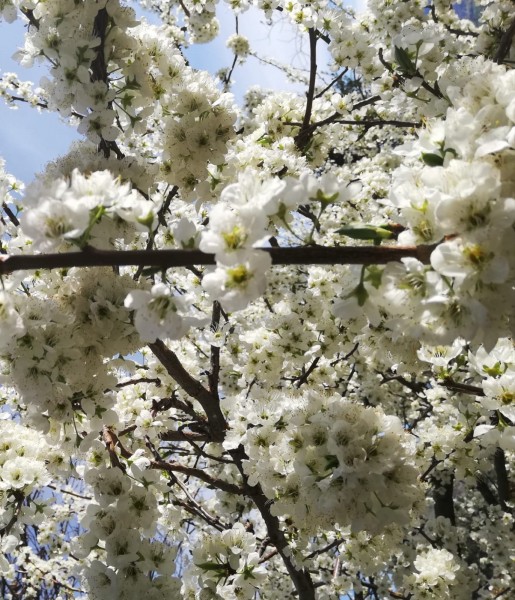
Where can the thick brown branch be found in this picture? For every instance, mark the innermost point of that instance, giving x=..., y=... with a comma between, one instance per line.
x=309, y=255
x=505, y=43
x=184, y=436
x=98, y=65
x=443, y=495
x=12, y=217
x=194, y=388
x=370, y=123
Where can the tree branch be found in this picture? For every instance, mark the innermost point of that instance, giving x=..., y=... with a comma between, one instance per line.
x=303, y=138
x=300, y=576
x=505, y=43
x=194, y=388
x=308, y=255
x=214, y=374
x=462, y=388
x=219, y=484
x=443, y=498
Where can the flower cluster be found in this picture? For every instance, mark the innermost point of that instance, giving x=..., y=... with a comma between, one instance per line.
x=158, y=313
x=239, y=44
x=335, y=464
x=459, y=194
x=22, y=471
x=435, y=577
x=197, y=132
x=120, y=525
x=226, y=565
x=237, y=224
x=307, y=431
x=62, y=212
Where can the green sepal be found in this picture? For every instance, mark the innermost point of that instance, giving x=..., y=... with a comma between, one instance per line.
x=361, y=294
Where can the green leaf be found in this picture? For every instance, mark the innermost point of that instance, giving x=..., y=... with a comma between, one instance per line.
x=367, y=232
x=265, y=141
x=126, y=100
x=332, y=461
x=213, y=566
x=403, y=59
x=131, y=84
x=432, y=160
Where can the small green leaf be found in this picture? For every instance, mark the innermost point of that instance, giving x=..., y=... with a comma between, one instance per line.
x=403, y=59
x=367, y=232
x=265, y=141
x=212, y=566
x=332, y=461
x=432, y=160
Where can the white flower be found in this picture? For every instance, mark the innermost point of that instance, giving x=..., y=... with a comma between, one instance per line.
x=239, y=44
x=238, y=284
x=55, y=221
x=500, y=394
x=457, y=258
x=434, y=565
x=440, y=356
x=98, y=125
x=11, y=323
x=157, y=313
x=254, y=193
x=232, y=231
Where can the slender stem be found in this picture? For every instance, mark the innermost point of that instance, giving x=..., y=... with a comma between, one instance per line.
x=305, y=134
x=330, y=85
x=503, y=483
x=220, y=484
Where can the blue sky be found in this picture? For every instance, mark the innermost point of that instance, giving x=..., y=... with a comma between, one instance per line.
x=28, y=139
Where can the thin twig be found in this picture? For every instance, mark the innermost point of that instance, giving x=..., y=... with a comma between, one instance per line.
x=303, y=138
x=335, y=80
x=219, y=484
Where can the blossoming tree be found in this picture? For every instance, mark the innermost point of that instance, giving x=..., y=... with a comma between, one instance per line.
x=262, y=351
